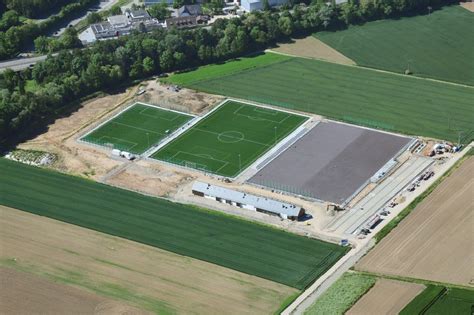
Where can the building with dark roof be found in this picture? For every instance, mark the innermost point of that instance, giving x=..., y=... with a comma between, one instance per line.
x=182, y=22
x=190, y=10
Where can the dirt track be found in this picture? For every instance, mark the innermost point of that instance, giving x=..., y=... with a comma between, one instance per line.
x=311, y=47
x=436, y=241
x=386, y=297
x=140, y=275
x=24, y=293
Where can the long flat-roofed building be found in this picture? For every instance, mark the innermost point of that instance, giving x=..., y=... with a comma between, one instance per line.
x=248, y=201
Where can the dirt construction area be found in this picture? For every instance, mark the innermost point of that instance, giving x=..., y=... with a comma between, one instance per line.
x=311, y=47
x=435, y=241
x=141, y=276
x=24, y=293
x=96, y=163
x=386, y=297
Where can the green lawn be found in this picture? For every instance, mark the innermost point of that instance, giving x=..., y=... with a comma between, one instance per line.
x=352, y=94
x=438, y=46
x=440, y=300
x=137, y=128
x=215, y=71
x=230, y=138
x=342, y=294
x=207, y=235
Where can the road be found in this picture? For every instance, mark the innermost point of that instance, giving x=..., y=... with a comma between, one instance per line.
x=103, y=5
x=20, y=63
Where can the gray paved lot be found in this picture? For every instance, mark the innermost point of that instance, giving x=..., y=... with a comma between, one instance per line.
x=330, y=162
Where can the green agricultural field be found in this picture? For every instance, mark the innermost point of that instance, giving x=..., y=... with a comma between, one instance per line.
x=440, y=300
x=207, y=235
x=138, y=128
x=344, y=293
x=229, y=67
x=356, y=95
x=230, y=138
x=437, y=46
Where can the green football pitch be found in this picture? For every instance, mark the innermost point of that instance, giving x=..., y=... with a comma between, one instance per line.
x=230, y=138
x=138, y=128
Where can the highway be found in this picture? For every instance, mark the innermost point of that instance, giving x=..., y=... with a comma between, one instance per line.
x=20, y=63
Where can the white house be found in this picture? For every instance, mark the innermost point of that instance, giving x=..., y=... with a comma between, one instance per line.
x=252, y=5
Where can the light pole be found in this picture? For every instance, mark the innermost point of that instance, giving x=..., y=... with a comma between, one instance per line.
x=275, y=128
x=148, y=138
x=240, y=164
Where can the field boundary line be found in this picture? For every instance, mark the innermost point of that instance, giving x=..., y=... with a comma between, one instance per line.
x=133, y=127
x=165, y=109
x=370, y=69
x=413, y=280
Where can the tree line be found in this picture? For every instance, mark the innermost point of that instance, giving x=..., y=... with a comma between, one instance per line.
x=35, y=8
x=73, y=74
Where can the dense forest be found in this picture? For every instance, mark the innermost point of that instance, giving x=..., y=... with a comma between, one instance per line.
x=73, y=74
x=35, y=8
x=14, y=35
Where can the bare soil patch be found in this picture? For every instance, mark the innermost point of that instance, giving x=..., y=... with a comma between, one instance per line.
x=24, y=293
x=141, y=275
x=435, y=242
x=387, y=297
x=311, y=47
x=86, y=160
x=467, y=5
x=151, y=178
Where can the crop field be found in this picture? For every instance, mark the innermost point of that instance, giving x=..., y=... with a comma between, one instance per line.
x=432, y=45
x=137, y=128
x=206, y=235
x=149, y=278
x=434, y=239
x=386, y=297
x=342, y=294
x=230, y=138
x=441, y=300
x=353, y=94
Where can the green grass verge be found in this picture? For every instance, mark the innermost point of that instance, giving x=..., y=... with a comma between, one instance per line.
x=206, y=235
x=344, y=293
x=408, y=209
x=429, y=45
x=215, y=71
x=230, y=138
x=441, y=300
x=138, y=128
x=352, y=94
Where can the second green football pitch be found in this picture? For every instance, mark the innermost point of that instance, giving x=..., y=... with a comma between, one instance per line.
x=137, y=128
x=230, y=138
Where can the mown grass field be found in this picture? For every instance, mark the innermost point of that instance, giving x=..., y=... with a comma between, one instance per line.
x=217, y=70
x=342, y=294
x=441, y=300
x=206, y=235
x=230, y=138
x=138, y=128
x=352, y=94
x=437, y=46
